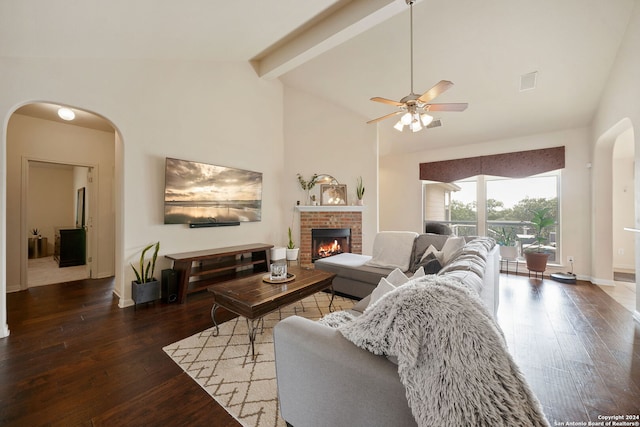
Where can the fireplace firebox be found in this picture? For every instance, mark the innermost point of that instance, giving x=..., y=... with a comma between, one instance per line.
x=326, y=242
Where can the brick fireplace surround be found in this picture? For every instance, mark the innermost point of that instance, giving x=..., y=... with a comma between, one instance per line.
x=329, y=217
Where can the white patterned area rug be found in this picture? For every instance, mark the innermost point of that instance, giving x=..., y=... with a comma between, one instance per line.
x=223, y=366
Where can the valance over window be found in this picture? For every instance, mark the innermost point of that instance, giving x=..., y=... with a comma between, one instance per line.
x=513, y=165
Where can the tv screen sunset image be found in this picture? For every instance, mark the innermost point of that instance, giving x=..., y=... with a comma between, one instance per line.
x=203, y=193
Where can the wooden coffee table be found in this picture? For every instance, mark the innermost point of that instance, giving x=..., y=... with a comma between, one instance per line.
x=252, y=298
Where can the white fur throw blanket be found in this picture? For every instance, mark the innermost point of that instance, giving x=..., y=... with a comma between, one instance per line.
x=452, y=357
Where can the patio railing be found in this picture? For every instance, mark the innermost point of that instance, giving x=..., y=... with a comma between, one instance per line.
x=522, y=230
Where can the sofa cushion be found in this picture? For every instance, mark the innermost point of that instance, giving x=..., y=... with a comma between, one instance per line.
x=345, y=259
x=467, y=277
x=392, y=249
x=464, y=265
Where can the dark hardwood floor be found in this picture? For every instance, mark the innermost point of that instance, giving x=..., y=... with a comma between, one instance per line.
x=75, y=358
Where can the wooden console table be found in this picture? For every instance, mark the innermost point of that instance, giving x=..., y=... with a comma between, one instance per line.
x=199, y=269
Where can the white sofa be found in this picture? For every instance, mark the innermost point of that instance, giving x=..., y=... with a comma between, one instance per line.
x=325, y=380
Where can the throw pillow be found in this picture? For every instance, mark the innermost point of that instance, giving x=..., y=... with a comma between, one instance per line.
x=381, y=290
x=451, y=246
x=419, y=273
x=422, y=242
x=397, y=278
x=430, y=264
x=430, y=253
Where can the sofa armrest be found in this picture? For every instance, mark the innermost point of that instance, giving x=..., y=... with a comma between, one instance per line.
x=325, y=380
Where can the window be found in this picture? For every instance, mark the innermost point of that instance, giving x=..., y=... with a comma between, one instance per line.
x=453, y=204
x=497, y=207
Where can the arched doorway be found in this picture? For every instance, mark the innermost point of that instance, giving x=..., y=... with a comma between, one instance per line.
x=603, y=221
x=37, y=136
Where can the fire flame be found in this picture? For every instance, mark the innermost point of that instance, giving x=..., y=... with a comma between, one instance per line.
x=329, y=249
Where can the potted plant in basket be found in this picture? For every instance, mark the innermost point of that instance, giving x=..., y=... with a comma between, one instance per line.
x=359, y=190
x=146, y=287
x=537, y=259
x=292, y=251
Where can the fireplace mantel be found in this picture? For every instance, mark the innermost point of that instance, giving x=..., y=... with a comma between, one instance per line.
x=326, y=208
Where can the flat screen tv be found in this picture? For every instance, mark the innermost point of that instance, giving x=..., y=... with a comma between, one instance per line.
x=200, y=193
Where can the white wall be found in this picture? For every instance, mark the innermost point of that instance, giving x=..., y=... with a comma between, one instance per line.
x=50, y=201
x=618, y=111
x=321, y=137
x=219, y=113
x=401, y=196
x=623, y=203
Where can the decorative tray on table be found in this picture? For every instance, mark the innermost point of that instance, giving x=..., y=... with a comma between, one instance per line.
x=289, y=278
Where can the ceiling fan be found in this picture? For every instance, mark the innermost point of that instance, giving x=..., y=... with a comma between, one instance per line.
x=413, y=107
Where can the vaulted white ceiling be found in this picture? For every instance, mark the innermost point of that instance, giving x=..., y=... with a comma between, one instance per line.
x=349, y=51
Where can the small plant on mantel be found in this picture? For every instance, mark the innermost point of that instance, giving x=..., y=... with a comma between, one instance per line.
x=145, y=274
x=36, y=233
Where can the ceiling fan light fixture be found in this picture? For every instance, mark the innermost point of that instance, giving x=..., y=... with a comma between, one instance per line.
x=414, y=107
x=66, y=113
x=426, y=119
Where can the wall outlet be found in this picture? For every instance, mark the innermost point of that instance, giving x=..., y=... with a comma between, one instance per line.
x=570, y=258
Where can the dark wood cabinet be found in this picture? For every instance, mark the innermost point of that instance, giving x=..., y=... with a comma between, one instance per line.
x=70, y=246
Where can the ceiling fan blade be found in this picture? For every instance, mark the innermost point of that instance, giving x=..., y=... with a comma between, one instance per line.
x=384, y=117
x=438, y=89
x=460, y=106
x=387, y=101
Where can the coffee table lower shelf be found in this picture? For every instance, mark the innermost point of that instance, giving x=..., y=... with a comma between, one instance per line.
x=252, y=298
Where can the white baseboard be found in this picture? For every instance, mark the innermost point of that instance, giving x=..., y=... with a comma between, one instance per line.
x=103, y=275
x=123, y=302
x=602, y=282
x=14, y=288
x=5, y=331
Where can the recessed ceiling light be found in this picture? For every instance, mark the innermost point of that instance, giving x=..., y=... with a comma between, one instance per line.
x=66, y=114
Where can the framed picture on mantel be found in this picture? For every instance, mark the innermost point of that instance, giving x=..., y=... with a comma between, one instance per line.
x=333, y=194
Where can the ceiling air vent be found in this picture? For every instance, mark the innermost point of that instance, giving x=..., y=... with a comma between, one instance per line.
x=528, y=81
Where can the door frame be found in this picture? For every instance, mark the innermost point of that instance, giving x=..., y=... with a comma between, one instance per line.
x=90, y=224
